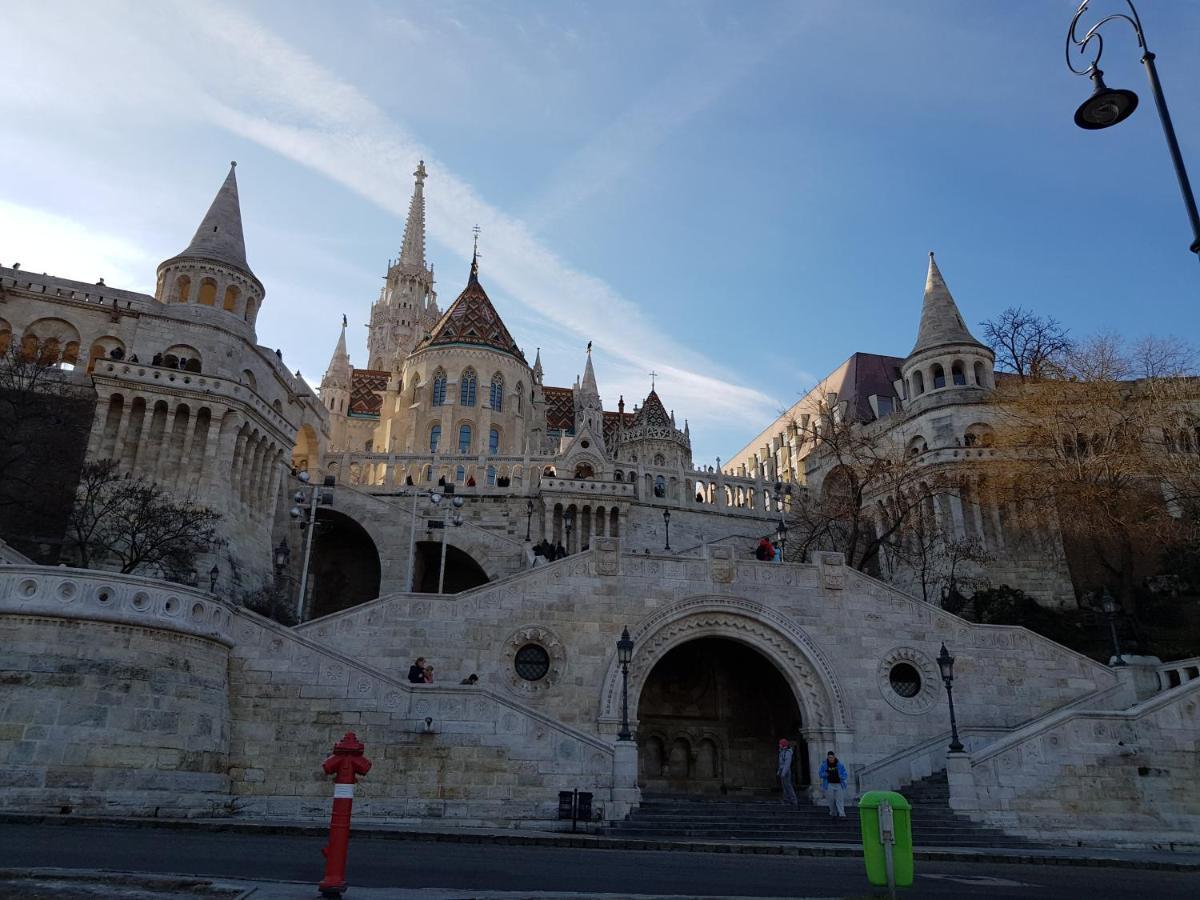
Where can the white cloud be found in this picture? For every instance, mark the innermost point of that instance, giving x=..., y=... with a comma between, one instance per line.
x=40, y=240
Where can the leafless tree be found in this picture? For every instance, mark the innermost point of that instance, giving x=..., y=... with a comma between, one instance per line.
x=1025, y=343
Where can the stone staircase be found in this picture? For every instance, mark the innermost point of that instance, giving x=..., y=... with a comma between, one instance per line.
x=679, y=816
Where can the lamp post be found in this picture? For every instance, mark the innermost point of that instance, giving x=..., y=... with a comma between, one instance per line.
x=1106, y=107
x=456, y=520
x=528, y=518
x=1110, y=613
x=624, y=655
x=667, y=526
x=305, y=514
x=946, y=663
x=569, y=523
x=782, y=492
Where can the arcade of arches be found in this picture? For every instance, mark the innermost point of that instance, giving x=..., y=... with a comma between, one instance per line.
x=710, y=718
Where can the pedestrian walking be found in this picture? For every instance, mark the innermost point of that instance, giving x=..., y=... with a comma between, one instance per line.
x=833, y=782
x=784, y=773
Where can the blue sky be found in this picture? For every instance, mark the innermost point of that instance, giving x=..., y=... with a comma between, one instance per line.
x=737, y=196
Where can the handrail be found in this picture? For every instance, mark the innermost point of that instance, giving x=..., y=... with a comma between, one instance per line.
x=748, y=537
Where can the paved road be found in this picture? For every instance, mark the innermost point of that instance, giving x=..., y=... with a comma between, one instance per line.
x=628, y=873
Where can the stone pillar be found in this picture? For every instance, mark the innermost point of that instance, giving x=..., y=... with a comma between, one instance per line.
x=956, y=516
x=626, y=795
x=962, y=782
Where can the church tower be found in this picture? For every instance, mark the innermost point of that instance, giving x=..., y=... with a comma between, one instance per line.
x=407, y=306
x=212, y=271
x=946, y=354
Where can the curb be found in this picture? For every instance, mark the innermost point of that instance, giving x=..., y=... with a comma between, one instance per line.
x=1046, y=857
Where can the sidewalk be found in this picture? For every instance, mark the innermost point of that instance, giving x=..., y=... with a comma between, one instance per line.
x=1164, y=860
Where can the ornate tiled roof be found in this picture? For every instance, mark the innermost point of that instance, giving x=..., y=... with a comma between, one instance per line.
x=471, y=319
x=366, y=392
x=611, y=421
x=652, y=413
x=560, y=407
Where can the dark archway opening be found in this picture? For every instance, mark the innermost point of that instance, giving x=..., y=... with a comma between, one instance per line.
x=462, y=572
x=345, y=565
x=710, y=718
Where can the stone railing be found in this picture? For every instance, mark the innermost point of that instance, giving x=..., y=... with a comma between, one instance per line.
x=919, y=761
x=587, y=486
x=1181, y=671
x=10, y=557
x=27, y=589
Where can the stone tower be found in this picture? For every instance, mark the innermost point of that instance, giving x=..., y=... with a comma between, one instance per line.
x=407, y=306
x=946, y=354
x=212, y=271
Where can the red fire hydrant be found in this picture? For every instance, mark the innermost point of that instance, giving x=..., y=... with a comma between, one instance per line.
x=347, y=763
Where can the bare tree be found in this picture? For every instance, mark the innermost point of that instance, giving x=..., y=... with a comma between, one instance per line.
x=1026, y=344
x=138, y=526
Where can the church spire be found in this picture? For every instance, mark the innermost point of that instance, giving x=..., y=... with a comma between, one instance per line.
x=589, y=387
x=941, y=322
x=219, y=237
x=412, y=251
x=339, y=363
x=474, y=277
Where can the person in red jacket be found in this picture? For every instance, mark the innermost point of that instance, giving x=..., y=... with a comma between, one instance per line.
x=765, y=551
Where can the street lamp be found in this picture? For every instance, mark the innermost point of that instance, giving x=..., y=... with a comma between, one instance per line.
x=528, y=517
x=213, y=574
x=782, y=493
x=1106, y=107
x=1110, y=613
x=456, y=520
x=624, y=655
x=305, y=515
x=946, y=663
x=283, y=553
x=569, y=523
x=667, y=526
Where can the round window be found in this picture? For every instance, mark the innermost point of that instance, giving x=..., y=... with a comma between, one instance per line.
x=532, y=662
x=905, y=679
x=585, y=444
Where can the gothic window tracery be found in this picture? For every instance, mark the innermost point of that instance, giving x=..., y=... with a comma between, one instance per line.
x=497, y=392
x=439, y=388
x=435, y=435
x=464, y=438
x=466, y=388
x=494, y=441
x=520, y=397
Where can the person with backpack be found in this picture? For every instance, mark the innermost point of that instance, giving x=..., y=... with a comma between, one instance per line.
x=833, y=783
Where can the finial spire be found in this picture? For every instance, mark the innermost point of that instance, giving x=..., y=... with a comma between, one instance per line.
x=653, y=375
x=412, y=251
x=474, y=279
x=941, y=322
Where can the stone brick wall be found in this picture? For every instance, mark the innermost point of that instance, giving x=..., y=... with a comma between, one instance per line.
x=1124, y=777
x=100, y=717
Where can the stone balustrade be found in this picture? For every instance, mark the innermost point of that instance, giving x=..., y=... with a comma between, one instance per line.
x=1179, y=672
x=27, y=589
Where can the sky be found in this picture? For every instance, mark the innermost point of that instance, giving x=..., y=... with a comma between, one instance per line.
x=735, y=196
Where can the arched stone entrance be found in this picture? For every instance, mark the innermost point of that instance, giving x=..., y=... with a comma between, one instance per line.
x=345, y=565
x=462, y=571
x=710, y=716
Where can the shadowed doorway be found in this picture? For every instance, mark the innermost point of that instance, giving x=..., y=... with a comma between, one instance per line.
x=462, y=572
x=345, y=565
x=710, y=718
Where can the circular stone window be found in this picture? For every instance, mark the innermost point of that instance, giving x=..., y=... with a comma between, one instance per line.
x=905, y=679
x=532, y=662
x=908, y=680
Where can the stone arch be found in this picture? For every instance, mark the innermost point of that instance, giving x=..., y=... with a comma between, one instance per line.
x=208, y=292
x=346, y=566
x=787, y=646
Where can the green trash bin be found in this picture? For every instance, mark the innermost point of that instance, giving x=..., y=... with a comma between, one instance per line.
x=873, y=850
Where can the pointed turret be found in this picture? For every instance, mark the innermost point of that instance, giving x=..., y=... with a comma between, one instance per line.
x=212, y=270
x=588, y=387
x=336, y=384
x=941, y=322
x=537, y=366
x=339, y=363
x=946, y=354
x=412, y=251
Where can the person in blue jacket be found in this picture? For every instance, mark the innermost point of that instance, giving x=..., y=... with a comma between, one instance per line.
x=833, y=783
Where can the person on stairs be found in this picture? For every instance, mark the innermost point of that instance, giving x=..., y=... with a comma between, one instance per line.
x=784, y=773
x=833, y=783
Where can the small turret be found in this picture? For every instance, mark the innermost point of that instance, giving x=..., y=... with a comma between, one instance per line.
x=336, y=383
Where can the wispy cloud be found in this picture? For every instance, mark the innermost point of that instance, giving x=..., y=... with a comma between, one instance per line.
x=316, y=119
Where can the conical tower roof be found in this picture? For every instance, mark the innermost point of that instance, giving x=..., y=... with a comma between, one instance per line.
x=941, y=322
x=589, y=388
x=471, y=319
x=652, y=412
x=219, y=237
x=339, y=363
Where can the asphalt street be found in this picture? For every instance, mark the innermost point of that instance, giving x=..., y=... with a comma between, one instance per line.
x=485, y=867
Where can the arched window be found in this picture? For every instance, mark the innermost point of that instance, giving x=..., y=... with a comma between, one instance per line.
x=659, y=459
x=496, y=397
x=231, y=297
x=466, y=388
x=660, y=487
x=520, y=397
x=491, y=476
x=208, y=292
x=428, y=473
x=939, y=376
x=618, y=475
x=435, y=436
x=494, y=441
x=918, y=384
x=460, y=474
x=958, y=372
x=980, y=376
x=464, y=438
x=439, y=388
x=183, y=289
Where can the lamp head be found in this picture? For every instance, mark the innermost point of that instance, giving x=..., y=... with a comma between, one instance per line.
x=625, y=647
x=1108, y=603
x=1106, y=107
x=666, y=515
x=303, y=476
x=946, y=663
x=435, y=498
x=458, y=501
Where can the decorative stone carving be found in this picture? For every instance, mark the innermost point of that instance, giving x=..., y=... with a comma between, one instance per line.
x=723, y=565
x=608, y=556
x=555, y=650
x=926, y=696
x=833, y=570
